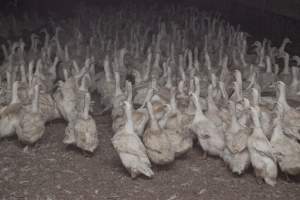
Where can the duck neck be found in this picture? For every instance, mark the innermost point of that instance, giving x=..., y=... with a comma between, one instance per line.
x=58, y=45
x=148, y=97
x=282, y=98
x=294, y=76
x=23, y=74
x=164, y=120
x=83, y=86
x=223, y=91
x=286, y=69
x=47, y=39
x=269, y=66
x=238, y=93
x=153, y=122
x=122, y=55
x=86, y=109
x=52, y=69
x=156, y=60
x=30, y=73
x=199, y=115
x=190, y=60
x=283, y=45
x=32, y=40
x=261, y=56
x=197, y=87
x=221, y=53
x=35, y=101
x=129, y=123
x=137, y=77
x=169, y=78
x=107, y=69
x=173, y=102
x=67, y=56
x=244, y=63
x=234, y=122
x=208, y=61
x=212, y=108
x=5, y=52
x=15, y=97
x=118, y=89
x=255, y=119
x=129, y=92
x=9, y=81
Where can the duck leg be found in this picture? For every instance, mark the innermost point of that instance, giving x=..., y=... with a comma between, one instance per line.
x=287, y=178
x=204, y=155
x=259, y=180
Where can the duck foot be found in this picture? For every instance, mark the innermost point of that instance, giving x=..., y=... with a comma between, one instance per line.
x=87, y=154
x=204, y=156
x=259, y=181
x=287, y=178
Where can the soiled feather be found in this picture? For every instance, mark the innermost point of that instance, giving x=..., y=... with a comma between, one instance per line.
x=132, y=153
x=31, y=128
x=11, y=109
x=237, y=142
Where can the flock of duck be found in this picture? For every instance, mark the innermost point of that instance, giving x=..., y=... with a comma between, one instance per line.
x=171, y=82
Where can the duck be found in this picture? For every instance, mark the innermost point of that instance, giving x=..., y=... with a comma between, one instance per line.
x=211, y=139
x=237, y=95
x=282, y=47
x=65, y=95
x=285, y=75
x=223, y=100
x=23, y=90
x=286, y=148
x=131, y=149
x=117, y=113
x=213, y=112
x=106, y=86
x=157, y=101
x=267, y=78
x=31, y=126
x=176, y=125
x=294, y=87
x=140, y=116
x=119, y=95
x=236, y=154
x=261, y=152
x=202, y=100
x=265, y=114
x=9, y=115
x=82, y=131
x=182, y=97
x=291, y=115
x=157, y=142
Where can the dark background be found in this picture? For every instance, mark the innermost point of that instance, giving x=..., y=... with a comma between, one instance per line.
x=273, y=19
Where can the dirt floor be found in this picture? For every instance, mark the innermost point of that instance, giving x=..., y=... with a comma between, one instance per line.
x=51, y=171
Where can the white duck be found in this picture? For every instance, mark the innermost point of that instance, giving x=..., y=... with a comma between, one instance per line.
x=31, y=127
x=157, y=142
x=236, y=154
x=82, y=131
x=265, y=115
x=261, y=152
x=10, y=114
x=213, y=112
x=176, y=125
x=286, y=148
x=209, y=136
x=130, y=148
x=285, y=75
x=140, y=116
x=291, y=117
